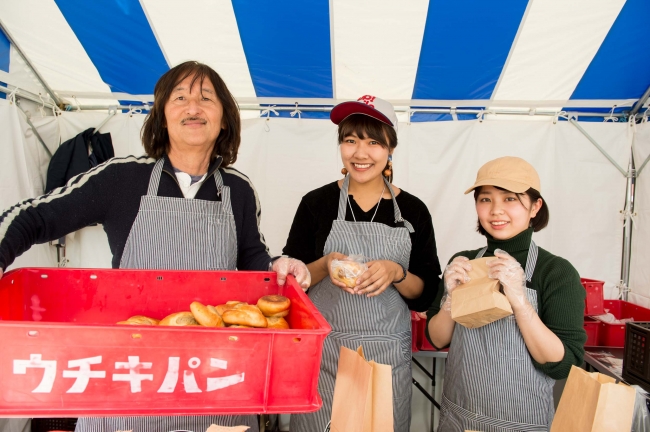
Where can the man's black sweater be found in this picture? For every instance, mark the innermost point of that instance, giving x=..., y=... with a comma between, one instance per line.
x=110, y=194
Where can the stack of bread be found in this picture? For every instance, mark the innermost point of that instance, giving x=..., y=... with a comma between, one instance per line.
x=268, y=313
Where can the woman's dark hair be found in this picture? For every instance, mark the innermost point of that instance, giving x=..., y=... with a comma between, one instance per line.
x=364, y=127
x=154, y=130
x=540, y=220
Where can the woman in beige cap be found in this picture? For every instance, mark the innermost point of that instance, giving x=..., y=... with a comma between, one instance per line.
x=500, y=376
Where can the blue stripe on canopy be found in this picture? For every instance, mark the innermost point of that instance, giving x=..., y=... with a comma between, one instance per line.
x=465, y=46
x=287, y=47
x=4, y=58
x=119, y=41
x=621, y=67
x=4, y=52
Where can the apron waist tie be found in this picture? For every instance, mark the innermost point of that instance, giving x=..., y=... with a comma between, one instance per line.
x=490, y=421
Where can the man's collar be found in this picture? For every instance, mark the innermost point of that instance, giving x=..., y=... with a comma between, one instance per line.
x=214, y=165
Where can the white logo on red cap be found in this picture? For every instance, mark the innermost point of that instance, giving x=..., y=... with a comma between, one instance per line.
x=367, y=99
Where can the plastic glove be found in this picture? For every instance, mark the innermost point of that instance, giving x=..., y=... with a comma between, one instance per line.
x=285, y=265
x=455, y=274
x=508, y=271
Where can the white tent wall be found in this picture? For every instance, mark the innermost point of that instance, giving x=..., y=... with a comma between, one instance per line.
x=436, y=161
x=639, y=269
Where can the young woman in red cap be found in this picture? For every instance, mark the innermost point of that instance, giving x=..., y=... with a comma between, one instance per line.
x=500, y=377
x=365, y=214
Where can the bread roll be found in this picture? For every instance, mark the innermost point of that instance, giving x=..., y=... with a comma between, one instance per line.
x=284, y=313
x=179, y=319
x=205, y=316
x=277, y=323
x=245, y=314
x=271, y=305
x=140, y=320
x=348, y=272
x=239, y=326
x=229, y=305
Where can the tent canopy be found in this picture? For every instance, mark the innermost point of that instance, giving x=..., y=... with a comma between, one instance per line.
x=545, y=54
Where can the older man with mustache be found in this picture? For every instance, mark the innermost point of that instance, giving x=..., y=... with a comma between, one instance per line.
x=179, y=207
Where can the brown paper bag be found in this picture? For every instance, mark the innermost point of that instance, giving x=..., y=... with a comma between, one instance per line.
x=593, y=402
x=363, y=395
x=479, y=302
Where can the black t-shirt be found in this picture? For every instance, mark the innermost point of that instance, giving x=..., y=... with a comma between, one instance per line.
x=318, y=209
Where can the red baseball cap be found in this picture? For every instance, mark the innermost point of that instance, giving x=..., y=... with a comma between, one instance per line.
x=369, y=105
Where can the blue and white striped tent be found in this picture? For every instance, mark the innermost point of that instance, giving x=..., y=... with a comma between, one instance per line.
x=434, y=60
x=536, y=54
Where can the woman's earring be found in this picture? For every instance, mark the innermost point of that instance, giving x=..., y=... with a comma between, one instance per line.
x=344, y=171
x=389, y=166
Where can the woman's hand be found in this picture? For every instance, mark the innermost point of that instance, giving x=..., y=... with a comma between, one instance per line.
x=508, y=271
x=455, y=274
x=379, y=276
x=285, y=266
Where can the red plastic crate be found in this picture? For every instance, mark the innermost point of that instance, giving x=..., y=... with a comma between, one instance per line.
x=595, y=296
x=414, y=333
x=64, y=356
x=613, y=335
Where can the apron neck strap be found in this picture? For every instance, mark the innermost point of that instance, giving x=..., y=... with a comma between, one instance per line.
x=531, y=260
x=154, y=180
x=343, y=199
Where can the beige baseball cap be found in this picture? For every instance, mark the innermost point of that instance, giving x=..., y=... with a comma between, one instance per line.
x=510, y=173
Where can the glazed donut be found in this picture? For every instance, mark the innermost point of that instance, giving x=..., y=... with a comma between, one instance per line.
x=272, y=305
x=245, y=315
x=277, y=323
x=179, y=319
x=140, y=320
x=205, y=316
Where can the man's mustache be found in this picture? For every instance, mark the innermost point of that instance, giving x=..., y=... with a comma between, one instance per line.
x=187, y=119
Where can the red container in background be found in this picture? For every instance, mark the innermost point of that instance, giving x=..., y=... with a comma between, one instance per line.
x=414, y=333
x=595, y=296
x=613, y=335
x=592, y=326
x=64, y=356
x=423, y=343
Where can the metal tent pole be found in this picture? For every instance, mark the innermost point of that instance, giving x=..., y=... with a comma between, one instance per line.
x=637, y=106
x=628, y=212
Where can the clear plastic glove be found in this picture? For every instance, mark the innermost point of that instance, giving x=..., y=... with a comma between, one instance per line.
x=455, y=274
x=284, y=266
x=508, y=271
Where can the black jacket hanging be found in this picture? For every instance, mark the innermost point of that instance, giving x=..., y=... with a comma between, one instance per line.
x=71, y=158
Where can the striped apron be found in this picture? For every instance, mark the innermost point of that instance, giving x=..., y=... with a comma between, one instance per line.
x=381, y=324
x=491, y=384
x=178, y=234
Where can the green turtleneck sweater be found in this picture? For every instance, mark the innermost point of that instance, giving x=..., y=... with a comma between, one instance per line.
x=560, y=298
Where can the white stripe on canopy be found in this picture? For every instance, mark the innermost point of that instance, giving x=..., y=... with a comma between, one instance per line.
x=64, y=64
x=376, y=47
x=555, y=44
x=207, y=32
